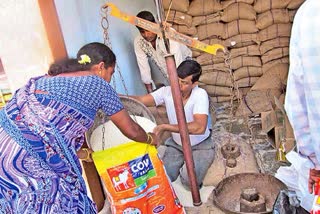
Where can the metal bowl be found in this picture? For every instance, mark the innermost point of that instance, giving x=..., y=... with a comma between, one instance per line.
x=226, y=195
x=134, y=107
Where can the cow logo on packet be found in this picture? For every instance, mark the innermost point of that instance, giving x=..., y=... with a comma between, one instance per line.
x=132, y=174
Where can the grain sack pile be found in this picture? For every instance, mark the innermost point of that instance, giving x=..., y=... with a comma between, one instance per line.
x=259, y=58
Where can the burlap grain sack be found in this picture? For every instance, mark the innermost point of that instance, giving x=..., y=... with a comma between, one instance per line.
x=277, y=42
x=227, y=3
x=240, y=26
x=274, y=78
x=191, y=31
x=214, y=90
x=238, y=11
x=179, y=18
x=181, y=5
x=211, y=18
x=217, y=78
x=274, y=31
x=195, y=53
x=241, y=40
x=270, y=17
x=204, y=7
x=281, y=99
x=295, y=4
x=252, y=50
x=267, y=66
x=263, y=5
x=221, y=99
x=248, y=71
x=242, y=92
x=218, y=66
x=257, y=101
x=213, y=29
x=242, y=61
x=292, y=14
x=207, y=59
x=275, y=53
x=246, y=162
x=237, y=41
x=246, y=82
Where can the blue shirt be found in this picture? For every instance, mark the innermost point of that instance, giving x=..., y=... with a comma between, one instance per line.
x=84, y=93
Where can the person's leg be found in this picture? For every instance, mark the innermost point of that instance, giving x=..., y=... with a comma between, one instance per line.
x=203, y=156
x=172, y=159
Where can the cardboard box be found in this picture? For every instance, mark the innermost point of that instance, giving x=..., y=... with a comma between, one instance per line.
x=278, y=129
x=271, y=119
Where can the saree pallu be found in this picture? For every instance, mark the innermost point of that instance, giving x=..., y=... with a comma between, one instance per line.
x=40, y=171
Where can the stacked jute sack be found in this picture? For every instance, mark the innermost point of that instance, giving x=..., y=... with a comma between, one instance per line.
x=257, y=35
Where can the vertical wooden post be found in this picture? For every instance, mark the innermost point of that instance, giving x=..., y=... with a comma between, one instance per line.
x=53, y=29
x=94, y=184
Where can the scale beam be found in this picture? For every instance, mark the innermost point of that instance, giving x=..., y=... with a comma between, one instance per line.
x=170, y=33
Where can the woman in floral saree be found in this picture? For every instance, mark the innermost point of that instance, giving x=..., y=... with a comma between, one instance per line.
x=42, y=131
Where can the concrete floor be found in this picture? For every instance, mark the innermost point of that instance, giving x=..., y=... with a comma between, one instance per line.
x=249, y=129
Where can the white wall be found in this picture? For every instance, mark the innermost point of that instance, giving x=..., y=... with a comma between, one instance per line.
x=80, y=23
x=24, y=48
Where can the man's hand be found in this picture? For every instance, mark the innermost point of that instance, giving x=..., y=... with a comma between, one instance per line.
x=149, y=88
x=158, y=130
x=314, y=178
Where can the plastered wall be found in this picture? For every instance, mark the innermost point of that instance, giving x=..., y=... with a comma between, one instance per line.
x=80, y=24
x=24, y=48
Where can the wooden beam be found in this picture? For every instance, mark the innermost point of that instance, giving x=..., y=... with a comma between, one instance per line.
x=94, y=184
x=53, y=29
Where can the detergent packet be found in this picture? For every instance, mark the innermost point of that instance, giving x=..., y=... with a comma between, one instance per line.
x=135, y=180
x=316, y=201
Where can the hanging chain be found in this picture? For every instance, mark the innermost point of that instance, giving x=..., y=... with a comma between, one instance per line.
x=234, y=89
x=236, y=95
x=103, y=139
x=106, y=39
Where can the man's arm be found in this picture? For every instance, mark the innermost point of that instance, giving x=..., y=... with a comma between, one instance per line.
x=196, y=127
x=197, y=114
x=147, y=100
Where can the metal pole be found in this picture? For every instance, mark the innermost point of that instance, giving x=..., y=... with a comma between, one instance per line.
x=181, y=118
x=160, y=17
x=182, y=124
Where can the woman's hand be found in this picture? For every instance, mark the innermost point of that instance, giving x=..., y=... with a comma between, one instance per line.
x=84, y=154
x=153, y=139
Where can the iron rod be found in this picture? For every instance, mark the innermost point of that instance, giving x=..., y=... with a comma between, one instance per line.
x=182, y=124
